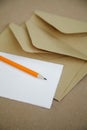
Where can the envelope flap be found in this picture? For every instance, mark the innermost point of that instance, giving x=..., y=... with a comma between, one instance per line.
x=63, y=24
x=45, y=37
x=23, y=39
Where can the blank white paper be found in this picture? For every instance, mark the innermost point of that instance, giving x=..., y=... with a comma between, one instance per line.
x=20, y=86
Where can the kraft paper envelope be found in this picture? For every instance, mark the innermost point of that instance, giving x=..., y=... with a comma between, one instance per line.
x=10, y=41
x=45, y=35
x=81, y=73
x=76, y=79
x=72, y=41
x=63, y=75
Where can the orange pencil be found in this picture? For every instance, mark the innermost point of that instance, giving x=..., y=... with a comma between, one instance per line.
x=21, y=67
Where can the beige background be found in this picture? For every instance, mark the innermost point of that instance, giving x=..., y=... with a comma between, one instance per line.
x=71, y=112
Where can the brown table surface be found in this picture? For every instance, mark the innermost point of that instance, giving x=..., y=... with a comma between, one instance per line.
x=71, y=112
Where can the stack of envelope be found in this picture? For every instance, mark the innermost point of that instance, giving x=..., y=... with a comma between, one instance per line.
x=51, y=38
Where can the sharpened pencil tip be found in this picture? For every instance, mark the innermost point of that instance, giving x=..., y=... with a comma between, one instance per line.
x=41, y=77
x=45, y=79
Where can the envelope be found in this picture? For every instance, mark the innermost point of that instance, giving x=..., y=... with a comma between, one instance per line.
x=75, y=80
x=61, y=35
x=10, y=42
x=13, y=40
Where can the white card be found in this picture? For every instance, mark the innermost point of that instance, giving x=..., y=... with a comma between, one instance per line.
x=18, y=85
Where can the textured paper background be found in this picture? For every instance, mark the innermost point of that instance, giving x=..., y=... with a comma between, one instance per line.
x=71, y=112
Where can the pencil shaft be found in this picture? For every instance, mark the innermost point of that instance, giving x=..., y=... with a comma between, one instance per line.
x=18, y=66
